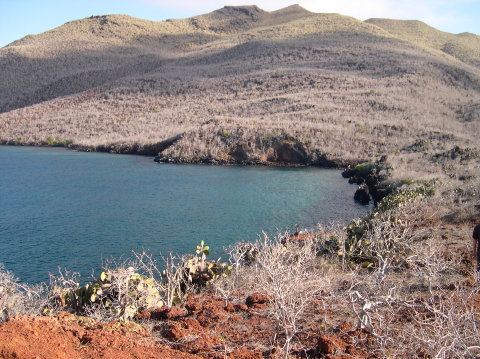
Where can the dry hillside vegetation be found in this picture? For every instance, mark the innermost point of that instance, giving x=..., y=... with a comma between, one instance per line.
x=464, y=46
x=241, y=85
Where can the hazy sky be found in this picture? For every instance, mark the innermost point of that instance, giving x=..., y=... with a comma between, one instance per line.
x=22, y=17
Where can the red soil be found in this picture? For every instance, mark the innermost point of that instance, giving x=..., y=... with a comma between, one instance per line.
x=206, y=327
x=71, y=337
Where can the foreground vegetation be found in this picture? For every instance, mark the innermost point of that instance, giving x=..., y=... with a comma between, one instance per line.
x=406, y=268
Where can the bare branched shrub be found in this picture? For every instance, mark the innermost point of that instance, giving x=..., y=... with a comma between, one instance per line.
x=61, y=290
x=17, y=298
x=288, y=274
x=242, y=253
x=453, y=329
x=429, y=263
x=169, y=275
x=366, y=310
x=445, y=327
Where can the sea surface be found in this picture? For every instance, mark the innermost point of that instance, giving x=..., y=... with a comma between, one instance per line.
x=73, y=210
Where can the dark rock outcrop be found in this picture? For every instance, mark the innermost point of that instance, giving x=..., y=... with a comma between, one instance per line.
x=239, y=154
x=371, y=176
x=362, y=195
x=290, y=152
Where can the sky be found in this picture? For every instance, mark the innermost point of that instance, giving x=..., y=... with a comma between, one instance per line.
x=19, y=18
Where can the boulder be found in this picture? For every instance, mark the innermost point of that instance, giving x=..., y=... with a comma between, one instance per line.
x=362, y=195
x=291, y=152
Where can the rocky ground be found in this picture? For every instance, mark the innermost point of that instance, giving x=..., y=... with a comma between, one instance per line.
x=69, y=336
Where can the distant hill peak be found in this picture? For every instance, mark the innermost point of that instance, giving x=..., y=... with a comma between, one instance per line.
x=248, y=10
x=231, y=19
x=464, y=47
x=292, y=10
x=251, y=12
x=105, y=19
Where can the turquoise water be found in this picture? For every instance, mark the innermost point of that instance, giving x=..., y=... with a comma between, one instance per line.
x=75, y=210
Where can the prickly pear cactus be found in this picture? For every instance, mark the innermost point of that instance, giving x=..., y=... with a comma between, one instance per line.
x=199, y=271
x=121, y=293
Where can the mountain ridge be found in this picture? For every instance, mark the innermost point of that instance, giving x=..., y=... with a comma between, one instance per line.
x=464, y=46
x=238, y=85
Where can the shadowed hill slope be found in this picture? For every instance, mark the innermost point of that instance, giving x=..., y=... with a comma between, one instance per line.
x=86, y=53
x=90, y=52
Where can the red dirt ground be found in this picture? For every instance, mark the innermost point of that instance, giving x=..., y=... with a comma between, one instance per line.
x=206, y=327
x=71, y=337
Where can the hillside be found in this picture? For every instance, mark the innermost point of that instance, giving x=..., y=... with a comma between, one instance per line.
x=464, y=46
x=242, y=85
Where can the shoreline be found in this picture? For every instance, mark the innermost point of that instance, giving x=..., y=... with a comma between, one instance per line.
x=123, y=149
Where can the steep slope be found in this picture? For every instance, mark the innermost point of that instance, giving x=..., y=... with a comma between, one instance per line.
x=464, y=46
x=87, y=53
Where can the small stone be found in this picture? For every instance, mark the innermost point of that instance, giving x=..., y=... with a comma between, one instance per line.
x=331, y=345
x=257, y=300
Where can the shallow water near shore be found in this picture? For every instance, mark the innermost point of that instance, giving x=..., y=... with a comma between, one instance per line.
x=74, y=210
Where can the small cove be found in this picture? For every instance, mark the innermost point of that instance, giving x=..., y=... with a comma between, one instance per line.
x=73, y=210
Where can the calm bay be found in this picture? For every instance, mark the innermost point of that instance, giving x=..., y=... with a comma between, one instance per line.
x=74, y=210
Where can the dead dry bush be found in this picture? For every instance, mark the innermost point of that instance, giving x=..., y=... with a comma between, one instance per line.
x=404, y=304
x=17, y=298
x=442, y=326
x=288, y=274
x=451, y=328
x=61, y=288
x=429, y=265
x=168, y=274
